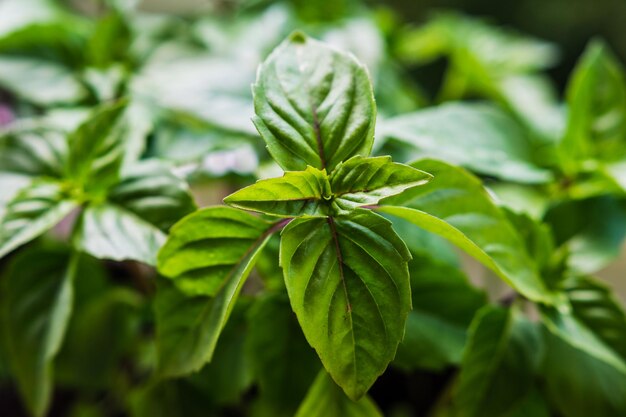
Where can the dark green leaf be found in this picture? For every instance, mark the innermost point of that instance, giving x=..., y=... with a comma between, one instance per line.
x=325, y=399
x=296, y=193
x=348, y=283
x=283, y=362
x=314, y=105
x=33, y=211
x=365, y=181
x=478, y=136
x=36, y=306
x=455, y=206
x=498, y=364
x=584, y=377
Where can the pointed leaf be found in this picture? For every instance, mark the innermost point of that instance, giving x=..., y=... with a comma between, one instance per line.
x=455, y=206
x=33, y=152
x=37, y=301
x=33, y=211
x=365, y=181
x=348, y=283
x=325, y=399
x=294, y=194
x=206, y=248
x=314, y=105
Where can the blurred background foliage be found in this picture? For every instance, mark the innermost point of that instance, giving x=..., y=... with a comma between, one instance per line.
x=499, y=88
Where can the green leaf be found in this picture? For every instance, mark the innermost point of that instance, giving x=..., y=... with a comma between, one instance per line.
x=282, y=361
x=348, y=283
x=40, y=82
x=209, y=247
x=595, y=306
x=107, y=231
x=151, y=191
x=591, y=241
x=444, y=303
x=596, y=99
x=40, y=152
x=365, y=181
x=533, y=405
x=314, y=105
x=477, y=136
x=583, y=376
x=296, y=193
x=33, y=211
x=455, y=206
x=210, y=251
x=325, y=399
x=498, y=364
x=97, y=149
x=36, y=306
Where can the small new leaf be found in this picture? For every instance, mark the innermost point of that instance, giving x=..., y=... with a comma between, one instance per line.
x=296, y=193
x=348, y=283
x=365, y=181
x=314, y=105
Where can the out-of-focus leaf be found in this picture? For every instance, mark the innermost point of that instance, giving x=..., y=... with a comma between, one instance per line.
x=37, y=301
x=444, y=303
x=108, y=231
x=33, y=211
x=33, y=152
x=478, y=136
x=39, y=81
x=314, y=105
x=325, y=399
x=348, y=284
x=281, y=359
x=584, y=377
x=592, y=230
x=596, y=98
x=470, y=220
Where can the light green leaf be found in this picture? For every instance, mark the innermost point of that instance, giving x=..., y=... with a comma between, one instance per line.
x=365, y=181
x=480, y=137
x=325, y=399
x=455, y=206
x=583, y=376
x=348, y=283
x=40, y=152
x=37, y=301
x=39, y=81
x=296, y=193
x=596, y=98
x=314, y=105
x=282, y=361
x=97, y=149
x=498, y=365
x=108, y=231
x=33, y=211
x=207, y=248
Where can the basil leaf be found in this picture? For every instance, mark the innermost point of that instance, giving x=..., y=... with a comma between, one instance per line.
x=210, y=247
x=37, y=152
x=33, y=211
x=498, y=365
x=325, y=399
x=37, y=301
x=294, y=194
x=365, y=181
x=348, y=283
x=472, y=221
x=477, y=136
x=314, y=105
